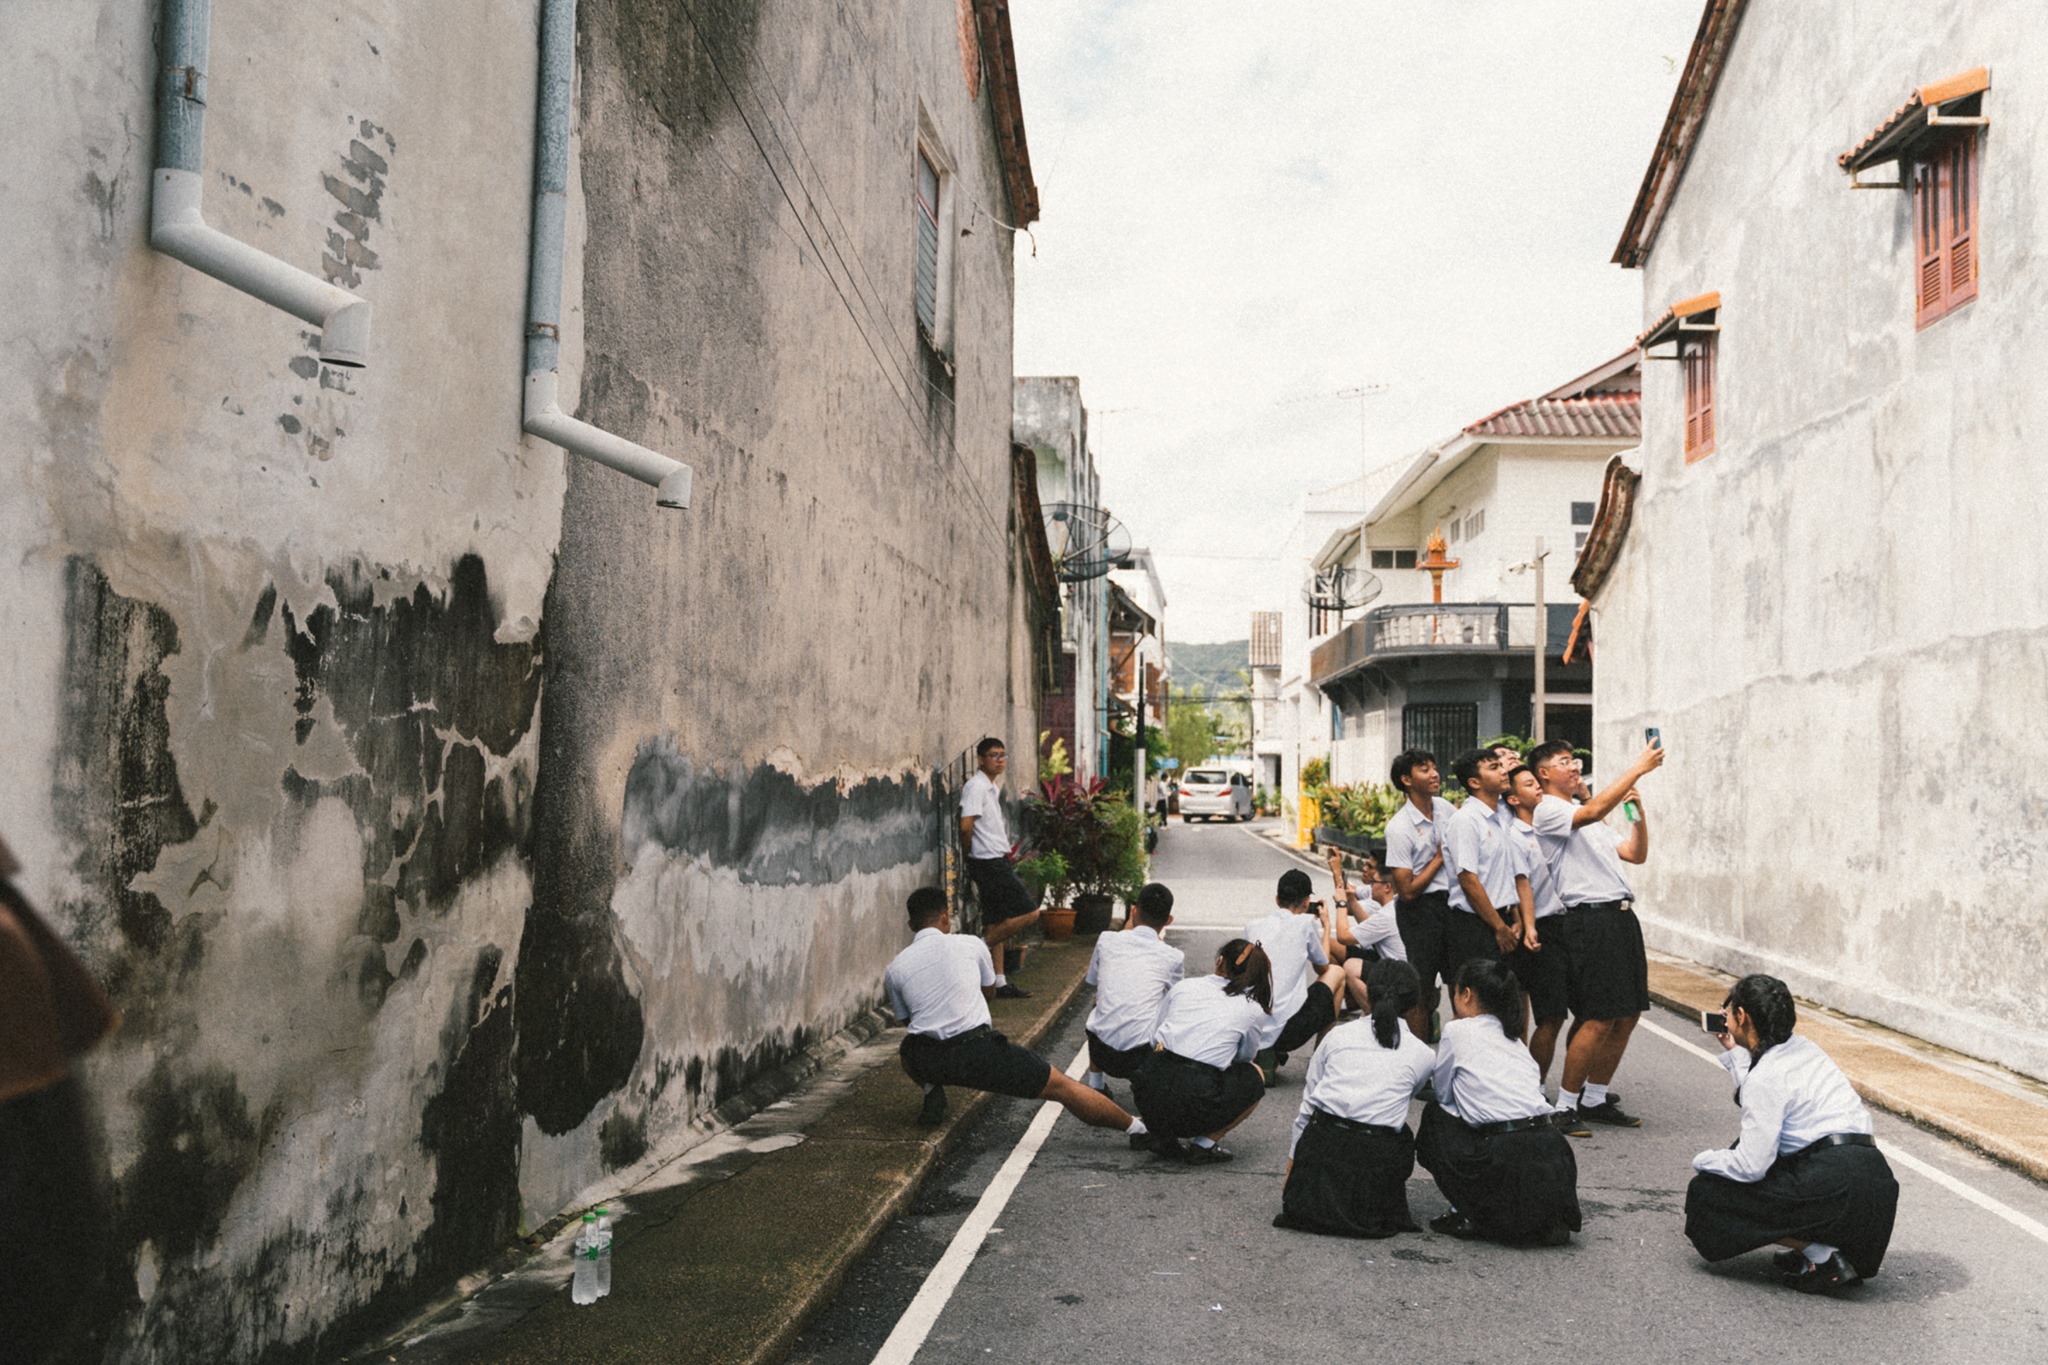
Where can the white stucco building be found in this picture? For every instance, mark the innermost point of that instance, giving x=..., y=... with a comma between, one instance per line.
x=1833, y=596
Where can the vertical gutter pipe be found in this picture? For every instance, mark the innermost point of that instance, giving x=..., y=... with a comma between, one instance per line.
x=178, y=229
x=543, y=413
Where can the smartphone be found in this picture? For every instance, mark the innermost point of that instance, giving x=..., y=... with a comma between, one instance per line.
x=1653, y=737
x=1713, y=1022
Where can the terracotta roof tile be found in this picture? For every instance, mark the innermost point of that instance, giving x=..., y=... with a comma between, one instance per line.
x=1885, y=140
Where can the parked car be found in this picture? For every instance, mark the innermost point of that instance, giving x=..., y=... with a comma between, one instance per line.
x=1210, y=793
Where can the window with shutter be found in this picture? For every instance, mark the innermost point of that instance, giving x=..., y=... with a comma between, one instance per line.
x=1696, y=359
x=1944, y=187
x=927, y=285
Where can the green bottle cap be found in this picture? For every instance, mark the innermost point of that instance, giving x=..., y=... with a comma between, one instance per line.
x=590, y=1218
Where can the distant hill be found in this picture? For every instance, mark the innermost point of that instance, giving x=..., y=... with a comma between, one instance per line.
x=1212, y=667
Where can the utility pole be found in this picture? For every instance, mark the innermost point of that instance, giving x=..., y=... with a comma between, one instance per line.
x=1542, y=637
x=1138, y=778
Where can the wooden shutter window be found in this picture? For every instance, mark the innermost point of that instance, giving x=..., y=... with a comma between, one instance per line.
x=1945, y=229
x=927, y=284
x=1696, y=359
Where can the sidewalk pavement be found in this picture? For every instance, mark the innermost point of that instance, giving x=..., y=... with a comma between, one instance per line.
x=2000, y=1113
x=722, y=1261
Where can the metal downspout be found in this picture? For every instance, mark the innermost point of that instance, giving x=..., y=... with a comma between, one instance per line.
x=178, y=229
x=543, y=414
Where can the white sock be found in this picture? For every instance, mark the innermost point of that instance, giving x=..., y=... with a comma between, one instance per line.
x=1203, y=1142
x=1593, y=1096
x=1137, y=1127
x=1567, y=1100
x=929, y=1087
x=1095, y=1080
x=1002, y=980
x=1818, y=1252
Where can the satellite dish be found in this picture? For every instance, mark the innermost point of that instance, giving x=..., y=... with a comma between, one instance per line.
x=1340, y=589
x=1086, y=542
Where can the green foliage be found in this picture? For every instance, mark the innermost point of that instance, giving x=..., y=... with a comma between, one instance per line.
x=1053, y=763
x=1315, y=776
x=1521, y=744
x=1123, y=874
x=1098, y=835
x=1212, y=668
x=1360, y=808
x=1190, y=731
x=1046, y=870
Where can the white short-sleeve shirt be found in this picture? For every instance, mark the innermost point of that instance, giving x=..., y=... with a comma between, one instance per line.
x=1353, y=1077
x=1484, y=1076
x=935, y=984
x=1412, y=840
x=1201, y=1023
x=1583, y=861
x=1131, y=973
x=1293, y=942
x=1529, y=856
x=983, y=800
x=1474, y=842
x=1791, y=1099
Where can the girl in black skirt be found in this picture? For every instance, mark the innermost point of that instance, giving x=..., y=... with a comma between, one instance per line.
x=1352, y=1152
x=1805, y=1174
x=1488, y=1136
x=1200, y=1081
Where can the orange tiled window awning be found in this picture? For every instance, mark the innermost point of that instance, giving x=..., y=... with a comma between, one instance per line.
x=1693, y=314
x=1955, y=102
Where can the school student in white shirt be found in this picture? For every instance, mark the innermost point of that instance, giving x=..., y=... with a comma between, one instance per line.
x=939, y=987
x=1608, y=971
x=1363, y=926
x=1539, y=967
x=1488, y=887
x=1305, y=984
x=1200, y=1082
x=1487, y=1137
x=1805, y=1173
x=1352, y=1154
x=1006, y=904
x=1415, y=862
x=1131, y=972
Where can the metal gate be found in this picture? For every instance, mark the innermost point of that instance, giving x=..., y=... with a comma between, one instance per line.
x=1445, y=728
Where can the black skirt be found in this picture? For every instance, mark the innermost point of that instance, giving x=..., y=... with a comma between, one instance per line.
x=1349, y=1180
x=1122, y=1063
x=1843, y=1196
x=1515, y=1186
x=1180, y=1098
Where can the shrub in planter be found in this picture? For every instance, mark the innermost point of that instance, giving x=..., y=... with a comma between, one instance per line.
x=1101, y=839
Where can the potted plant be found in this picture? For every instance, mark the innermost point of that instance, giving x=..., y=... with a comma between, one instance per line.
x=1045, y=873
x=1101, y=839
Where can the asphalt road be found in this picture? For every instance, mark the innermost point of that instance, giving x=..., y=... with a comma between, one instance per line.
x=1107, y=1254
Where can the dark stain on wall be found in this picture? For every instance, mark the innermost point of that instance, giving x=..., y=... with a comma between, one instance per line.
x=768, y=827
x=666, y=53
x=199, y=1143
x=622, y=1139
x=472, y=1128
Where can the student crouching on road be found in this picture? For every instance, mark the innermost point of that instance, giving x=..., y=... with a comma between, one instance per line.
x=1805, y=1173
x=940, y=986
x=1199, y=1083
x=1487, y=1138
x=1352, y=1152
x=1296, y=939
x=1131, y=972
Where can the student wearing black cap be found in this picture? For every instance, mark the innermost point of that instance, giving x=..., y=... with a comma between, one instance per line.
x=1131, y=972
x=1488, y=1138
x=1805, y=1173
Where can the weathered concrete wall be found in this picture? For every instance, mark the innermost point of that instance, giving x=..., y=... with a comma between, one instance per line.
x=1839, y=618
x=450, y=825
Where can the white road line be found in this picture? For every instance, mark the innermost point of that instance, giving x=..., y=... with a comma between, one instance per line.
x=918, y=1319
x=2032, y=1227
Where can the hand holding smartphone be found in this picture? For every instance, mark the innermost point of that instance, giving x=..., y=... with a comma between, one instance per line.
x=1714, y=1022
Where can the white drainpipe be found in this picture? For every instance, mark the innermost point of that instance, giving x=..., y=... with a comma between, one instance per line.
x=177, y=227
x=544, y=416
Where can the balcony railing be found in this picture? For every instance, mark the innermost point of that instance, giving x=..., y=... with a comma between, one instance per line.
x=1437, y=628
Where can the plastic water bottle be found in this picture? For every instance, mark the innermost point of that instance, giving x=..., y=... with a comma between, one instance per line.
x=593, y=1278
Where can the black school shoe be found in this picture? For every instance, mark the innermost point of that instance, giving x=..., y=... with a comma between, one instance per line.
x=1568, y=1122
x=1212, y=1155
x=1454, y=1224
x=1609, y=1113
x=1011, y=991
x=934, y=1111
x=1832, y=1274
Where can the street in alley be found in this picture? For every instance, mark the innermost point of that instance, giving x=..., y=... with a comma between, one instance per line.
x=1102, y=1253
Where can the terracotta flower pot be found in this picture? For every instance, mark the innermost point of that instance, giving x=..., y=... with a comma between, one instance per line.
x=1057, y=922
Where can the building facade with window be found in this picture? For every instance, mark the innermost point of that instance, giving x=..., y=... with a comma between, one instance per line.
x=1442, y=671
x=1832, y=592
x=456, y=829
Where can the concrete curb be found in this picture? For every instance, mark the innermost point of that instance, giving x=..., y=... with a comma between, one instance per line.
x=820, y=1293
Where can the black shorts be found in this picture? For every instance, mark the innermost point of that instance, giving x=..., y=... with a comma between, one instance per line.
x=1466, y=936
x=1545, y=975
x=1421, y=922
x=980, y=1059
x=1608, y=971
x=1354, y=953
x=1317, y=1013
x=1122, y=1063
x=1001, y=892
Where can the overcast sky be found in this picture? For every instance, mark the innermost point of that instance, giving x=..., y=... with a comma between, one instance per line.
x=1249, y=207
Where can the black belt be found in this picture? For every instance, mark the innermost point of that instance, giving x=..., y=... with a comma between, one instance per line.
x=971, y=1034
x=1599, y=905
x=1442, y=898
x=1511, y=1125
x=1837, y=1140
x=1353, y=1125
x=1169, y=1055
